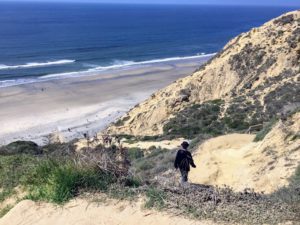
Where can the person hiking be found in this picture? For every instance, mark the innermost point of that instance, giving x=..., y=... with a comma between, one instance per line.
x=183, y=161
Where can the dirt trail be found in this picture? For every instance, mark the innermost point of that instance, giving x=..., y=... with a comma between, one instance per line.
x=224, y=160
x=236, y=161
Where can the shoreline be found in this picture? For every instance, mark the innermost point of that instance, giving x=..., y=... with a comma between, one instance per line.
x=76, y=105
x=9, y=82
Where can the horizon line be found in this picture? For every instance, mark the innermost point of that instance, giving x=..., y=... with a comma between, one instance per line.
x=148, y=3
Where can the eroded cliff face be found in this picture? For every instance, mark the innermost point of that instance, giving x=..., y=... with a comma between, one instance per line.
x=258, y=71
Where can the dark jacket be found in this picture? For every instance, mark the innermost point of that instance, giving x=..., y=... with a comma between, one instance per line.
x=183, y=160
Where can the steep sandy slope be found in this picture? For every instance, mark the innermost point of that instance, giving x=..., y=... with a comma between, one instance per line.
x=235, y=160
x=254, y=67
x=83, y=212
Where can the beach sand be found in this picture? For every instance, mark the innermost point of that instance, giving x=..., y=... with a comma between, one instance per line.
x=76, y=105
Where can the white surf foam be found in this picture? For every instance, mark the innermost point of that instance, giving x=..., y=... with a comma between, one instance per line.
x=120, y=64
x=117, y=64
x=132, y=63
x=36, y=64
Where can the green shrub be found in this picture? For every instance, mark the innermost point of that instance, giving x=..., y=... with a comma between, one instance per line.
x=20, y=147
x=121, y=121
x=261, y=134
x=59, y=149
x=149, y=138
x=295, y=137
x=132, y=182
x=5, y=194
x=58, y=181
x=126, y=136
x=145, y=165
x=296, y=177
x=14, y=168
x=195, y=120
x=135, y=153
x=155, y=198
x=5, y=210
x=120, y=192
x=157, y=161
x=156, y=151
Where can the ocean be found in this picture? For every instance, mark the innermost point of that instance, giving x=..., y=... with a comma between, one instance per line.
x=42, y=41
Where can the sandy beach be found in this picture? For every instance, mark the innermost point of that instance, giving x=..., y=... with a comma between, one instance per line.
x=76, y=105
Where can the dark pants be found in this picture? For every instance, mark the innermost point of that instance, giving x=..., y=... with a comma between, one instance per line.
x=184, y=175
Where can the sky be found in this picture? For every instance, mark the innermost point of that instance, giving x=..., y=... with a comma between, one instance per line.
x=212, y=2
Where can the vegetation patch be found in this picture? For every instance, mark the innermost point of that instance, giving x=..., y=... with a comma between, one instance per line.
x=58, y=177
x=121, y=121
x=208, y=120
x=248, y=60
x=155, y=198
x=5, y=210
x=5, y=194
x=155, y=162
x=195, y=120
x=267, y=128
x=20, y=147
x=225, y=205
x=58, y=181
x=59, y=174
x=14, y=169
x=283, y=99
x=284, y=20
x=294, y=39
x=135, y=153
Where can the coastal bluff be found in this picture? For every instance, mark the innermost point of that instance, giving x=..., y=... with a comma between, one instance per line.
x=257, y=72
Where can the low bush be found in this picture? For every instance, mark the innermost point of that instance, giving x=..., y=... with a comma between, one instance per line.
x=15, y=168
x=196, y=120
x=155, y=162
x=155, y=198
x=20, y=147
x=144, y=165
x=266, y=129
x=209, y=119
x=135, y=153
x=121, y=121
x=58, y=174
x=5, y=210
x=4, y=194
x=58, y=181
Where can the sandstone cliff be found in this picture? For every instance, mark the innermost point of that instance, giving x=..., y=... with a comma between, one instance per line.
x=257, y=75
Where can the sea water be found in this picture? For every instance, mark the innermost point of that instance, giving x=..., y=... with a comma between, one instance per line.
x=42, y=41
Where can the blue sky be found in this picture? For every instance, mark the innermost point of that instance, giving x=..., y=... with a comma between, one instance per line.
x=214, y=2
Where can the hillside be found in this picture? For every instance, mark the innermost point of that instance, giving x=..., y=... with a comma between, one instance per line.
x=237, y=161
x=253, y=79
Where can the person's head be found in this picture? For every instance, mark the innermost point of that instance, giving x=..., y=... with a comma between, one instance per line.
x=185, y=145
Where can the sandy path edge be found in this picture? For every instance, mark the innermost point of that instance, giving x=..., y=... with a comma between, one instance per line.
x=84, y=212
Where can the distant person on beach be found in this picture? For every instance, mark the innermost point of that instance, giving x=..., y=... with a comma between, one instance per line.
x=183, y=161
